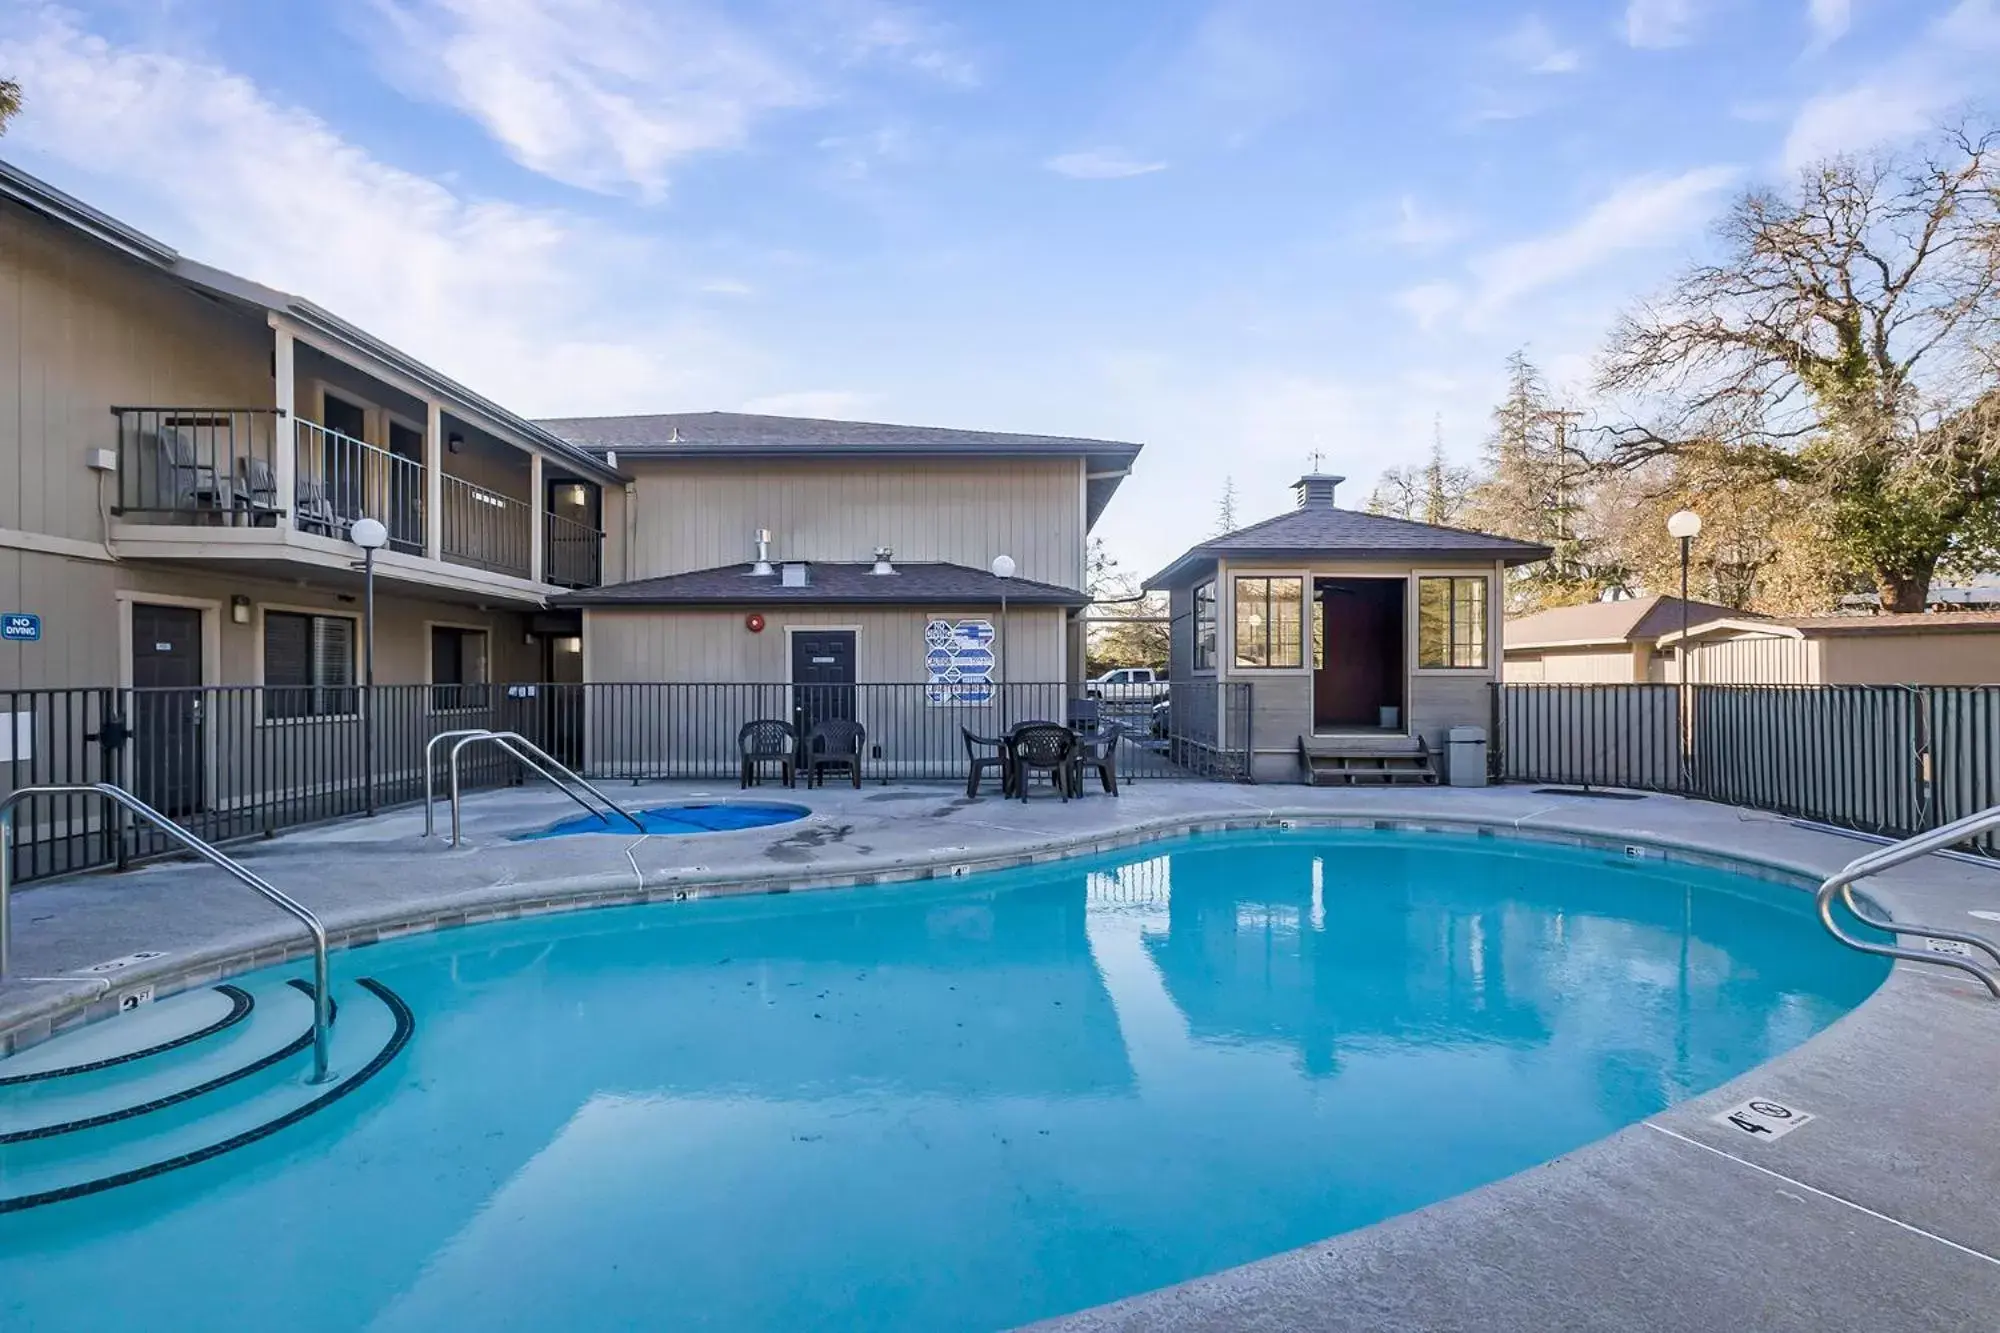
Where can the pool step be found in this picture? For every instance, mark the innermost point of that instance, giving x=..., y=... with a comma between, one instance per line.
x=121, y=1124
x=278, y=1024
x=148, y=1030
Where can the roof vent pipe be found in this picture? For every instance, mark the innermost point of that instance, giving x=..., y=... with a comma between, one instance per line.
x=1315, y=490
x=762, y=569
x=882, y=565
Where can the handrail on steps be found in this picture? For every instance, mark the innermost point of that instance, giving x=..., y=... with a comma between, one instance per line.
x=531, y=755
x=1842, y=883
x=322, y=994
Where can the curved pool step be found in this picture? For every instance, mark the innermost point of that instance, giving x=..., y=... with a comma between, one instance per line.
x=149, y=1030
x=276, y=1025
x=372, y=1028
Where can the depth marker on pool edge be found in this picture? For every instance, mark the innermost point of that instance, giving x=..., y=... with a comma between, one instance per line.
x=1825, y=1194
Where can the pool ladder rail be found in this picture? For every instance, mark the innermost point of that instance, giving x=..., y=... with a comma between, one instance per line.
x=322, y=993
x=1841, y=885
x=530, y=755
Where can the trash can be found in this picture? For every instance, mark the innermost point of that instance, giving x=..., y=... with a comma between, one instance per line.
x=1465, y=756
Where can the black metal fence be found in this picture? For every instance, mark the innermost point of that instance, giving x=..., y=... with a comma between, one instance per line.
x=246, y=761
x=1886, y=759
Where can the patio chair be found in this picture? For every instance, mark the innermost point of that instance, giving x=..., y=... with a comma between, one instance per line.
x=184, y=481
x=768, y=741
x=316, y=512
x=977, y=763
x=1041, y=747
x=1100, y=752
x=834, y=743
x=1085, y=714
x=256, y=489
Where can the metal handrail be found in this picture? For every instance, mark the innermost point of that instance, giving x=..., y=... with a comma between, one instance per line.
x=430, y=771
x=1842, y=882
x=550, y=767
x=322, y=993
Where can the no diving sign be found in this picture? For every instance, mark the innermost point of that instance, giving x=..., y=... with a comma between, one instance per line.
x=1762, y=1118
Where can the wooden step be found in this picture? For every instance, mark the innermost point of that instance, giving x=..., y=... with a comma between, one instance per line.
x=1388, y=764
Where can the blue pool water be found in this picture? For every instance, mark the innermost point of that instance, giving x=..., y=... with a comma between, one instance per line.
x=718, y=817
x=960, y=1105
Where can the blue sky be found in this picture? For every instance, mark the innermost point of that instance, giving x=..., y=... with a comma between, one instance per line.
x=1239, y=231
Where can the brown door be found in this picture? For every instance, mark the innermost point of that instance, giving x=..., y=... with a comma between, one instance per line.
x=167, y=708
x=1360, y=671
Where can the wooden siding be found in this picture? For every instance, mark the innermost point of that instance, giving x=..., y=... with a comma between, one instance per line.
x=81, y=612
x=1909, y=659
x=1579, y=666
x=1751, y=659
x=82, y=330
x=702, y=514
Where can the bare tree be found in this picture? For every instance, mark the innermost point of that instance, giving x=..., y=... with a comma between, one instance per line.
x=1843, y=345
x=10, y=102
x=1434, y=493
x=1225, y=508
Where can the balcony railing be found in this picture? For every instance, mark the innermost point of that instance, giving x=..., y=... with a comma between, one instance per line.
x=211, y=464
x=341, y=479
x=486, y=529
x=572, y=553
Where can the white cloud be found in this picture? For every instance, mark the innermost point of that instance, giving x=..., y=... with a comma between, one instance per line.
x=534, y=306
x=1420, y=229
x=1949, y=62
x=1101, y=164
x=1429, y=302
x=1533, y=47
x=906, y=37
x=602, y=94
x=1639, y=214
x=1660, y=23
x=1828, y=20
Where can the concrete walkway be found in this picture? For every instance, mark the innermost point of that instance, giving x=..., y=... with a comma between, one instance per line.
x=1883, y=1213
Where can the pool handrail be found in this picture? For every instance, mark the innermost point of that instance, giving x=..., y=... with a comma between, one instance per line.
x=322, y=993
x=1841, y=884
x=430, y=771
x=540, y=760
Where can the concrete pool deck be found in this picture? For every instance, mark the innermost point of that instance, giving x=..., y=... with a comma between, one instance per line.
x=1882, y=1213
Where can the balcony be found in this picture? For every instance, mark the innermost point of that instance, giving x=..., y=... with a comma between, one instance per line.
x=201, y=482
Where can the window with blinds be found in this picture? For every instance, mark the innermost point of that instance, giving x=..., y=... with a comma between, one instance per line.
x=308, y=665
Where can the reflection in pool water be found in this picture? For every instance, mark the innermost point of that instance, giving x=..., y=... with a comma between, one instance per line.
x=962, y=1105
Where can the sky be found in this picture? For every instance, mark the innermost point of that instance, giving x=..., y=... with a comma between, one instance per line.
x=1241, y=232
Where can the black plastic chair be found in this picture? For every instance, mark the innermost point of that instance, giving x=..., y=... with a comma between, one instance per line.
x=1085, y=714
x=1100, y=752
x=977, y=763
x=768, y=741
x=835, y=743
x=1041, y=747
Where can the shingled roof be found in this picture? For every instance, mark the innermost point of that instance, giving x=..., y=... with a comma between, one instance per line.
x=1625, y=621
x=1320, y=528
x=828, y=584
x=670, y=435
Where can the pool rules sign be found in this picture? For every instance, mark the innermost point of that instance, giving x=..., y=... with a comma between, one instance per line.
x=959, y=663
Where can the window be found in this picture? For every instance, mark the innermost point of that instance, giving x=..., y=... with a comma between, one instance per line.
x=1204, y=627
x=308, y=665
x=1269, y=616
x=1451, y=623
x=458, y=667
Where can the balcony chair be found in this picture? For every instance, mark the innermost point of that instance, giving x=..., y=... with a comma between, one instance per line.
x=1041, y=747
x=768, y=741
x=834, y=743
x=183, y=481
x=977, y=763
x=255, y=489
x=316, y=511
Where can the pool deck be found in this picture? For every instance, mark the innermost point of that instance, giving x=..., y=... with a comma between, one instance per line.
x=1882, y=1213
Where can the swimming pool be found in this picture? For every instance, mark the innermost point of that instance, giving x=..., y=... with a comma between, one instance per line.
x=687, y=817
x=963, y=1104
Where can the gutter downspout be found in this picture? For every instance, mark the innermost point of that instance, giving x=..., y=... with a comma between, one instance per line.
x=631, y=528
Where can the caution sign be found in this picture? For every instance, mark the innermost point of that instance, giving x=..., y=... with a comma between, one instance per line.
x=1763, y=1118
